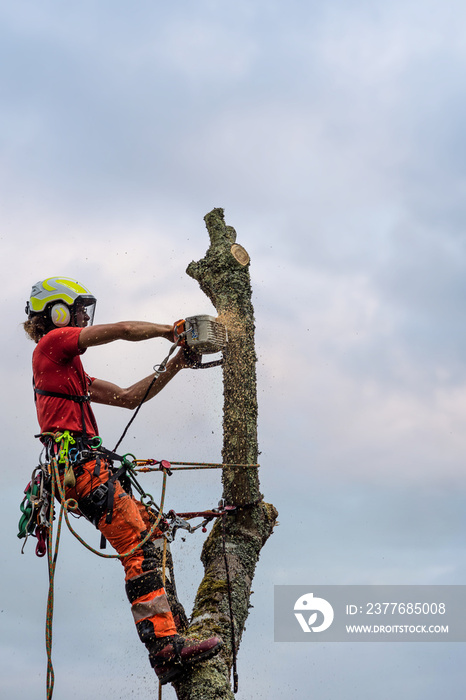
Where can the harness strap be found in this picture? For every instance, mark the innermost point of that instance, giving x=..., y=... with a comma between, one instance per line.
x=110, y=499
x=97, y=467
x=81, y=399
x=56, y=394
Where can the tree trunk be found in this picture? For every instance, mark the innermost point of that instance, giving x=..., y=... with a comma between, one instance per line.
x=223, y=275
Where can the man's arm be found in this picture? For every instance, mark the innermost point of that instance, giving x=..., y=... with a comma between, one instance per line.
x=123, y=330
x=113, y=395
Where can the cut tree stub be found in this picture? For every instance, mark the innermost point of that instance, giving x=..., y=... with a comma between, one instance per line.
x=240, y=254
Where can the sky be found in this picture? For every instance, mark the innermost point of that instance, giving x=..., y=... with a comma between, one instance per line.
x=333, y=137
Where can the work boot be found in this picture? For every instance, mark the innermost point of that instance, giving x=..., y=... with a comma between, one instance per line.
x=172, y=656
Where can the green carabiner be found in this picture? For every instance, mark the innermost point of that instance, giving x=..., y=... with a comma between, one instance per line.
x=125, y=460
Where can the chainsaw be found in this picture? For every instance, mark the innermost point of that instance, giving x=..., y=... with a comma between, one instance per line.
x=203, y=335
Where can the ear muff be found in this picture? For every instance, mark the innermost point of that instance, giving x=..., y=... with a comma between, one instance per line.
x=60, y=315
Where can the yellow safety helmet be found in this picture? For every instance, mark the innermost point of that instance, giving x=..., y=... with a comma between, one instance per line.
x=59, y=298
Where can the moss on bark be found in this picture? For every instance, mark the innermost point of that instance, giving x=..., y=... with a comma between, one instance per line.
x=223, y=275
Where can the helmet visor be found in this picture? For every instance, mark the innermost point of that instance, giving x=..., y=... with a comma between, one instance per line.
x=84, y=310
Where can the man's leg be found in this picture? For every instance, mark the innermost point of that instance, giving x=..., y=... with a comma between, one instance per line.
x=144, y=583
x=167, y=573
x=150, y=607
x=169, y=654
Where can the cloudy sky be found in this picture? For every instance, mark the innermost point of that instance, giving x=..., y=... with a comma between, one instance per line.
x=333, y=136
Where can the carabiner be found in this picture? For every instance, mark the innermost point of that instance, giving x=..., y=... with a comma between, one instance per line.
x=150, y=502
x=128, y=463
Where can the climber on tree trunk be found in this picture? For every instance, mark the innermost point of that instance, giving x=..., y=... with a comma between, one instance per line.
x=60, y=317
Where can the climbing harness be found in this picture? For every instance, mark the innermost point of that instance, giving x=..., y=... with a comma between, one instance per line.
x=58, y=489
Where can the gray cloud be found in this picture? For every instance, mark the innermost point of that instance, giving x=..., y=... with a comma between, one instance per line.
x=332, y=135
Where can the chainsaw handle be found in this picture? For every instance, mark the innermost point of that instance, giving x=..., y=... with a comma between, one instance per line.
x=179, y=332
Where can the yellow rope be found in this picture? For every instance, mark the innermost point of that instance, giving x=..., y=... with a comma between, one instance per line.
x=65, y=506
x=50, y=678
x=164, y=563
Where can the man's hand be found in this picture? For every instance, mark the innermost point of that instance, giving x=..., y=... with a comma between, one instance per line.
x=178, y=329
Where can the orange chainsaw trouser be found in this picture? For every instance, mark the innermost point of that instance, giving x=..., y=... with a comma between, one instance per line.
x=129, y=525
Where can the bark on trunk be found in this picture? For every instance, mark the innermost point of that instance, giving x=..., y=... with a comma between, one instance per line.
x=223, y=275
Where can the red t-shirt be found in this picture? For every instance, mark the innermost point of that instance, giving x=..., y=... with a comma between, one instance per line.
x=57, y=367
